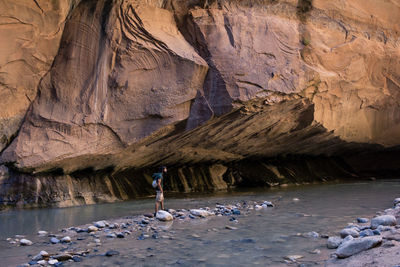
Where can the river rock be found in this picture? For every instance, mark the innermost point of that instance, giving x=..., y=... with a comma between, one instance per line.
x=92, y=228
x=52, y=261
x=396, y=201
x=66, y=239
x=236, y=212
x=362, y=220
x=367, y=232
x=357, y=245
x=311, y=234
x=100, y=224
x=163, y=215
x=25, y=242
x=42, y=262
x=54, y=240
x=200, y=213
x=385, y=220
x=293, y=258
x=42, y=254
x=42, y=233
x=111, y=235
x=334, y=242
x=349, y=231
x=268, y=203
x=230, y=227
x=257, y=207
x=63, y=257
x=120, y=235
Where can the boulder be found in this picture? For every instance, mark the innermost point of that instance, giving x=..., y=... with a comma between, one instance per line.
x=163, y=215
x=385, y=220
x=357, y=245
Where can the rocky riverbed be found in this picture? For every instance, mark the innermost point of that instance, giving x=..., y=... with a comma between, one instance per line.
x=367, y=242
x=241, y=229
x=100, y=239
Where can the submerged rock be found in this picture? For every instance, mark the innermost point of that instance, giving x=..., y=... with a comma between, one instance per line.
x=357, y=245
x=111, y=253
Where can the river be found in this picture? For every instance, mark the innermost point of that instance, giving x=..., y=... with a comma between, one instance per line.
x=261, y=238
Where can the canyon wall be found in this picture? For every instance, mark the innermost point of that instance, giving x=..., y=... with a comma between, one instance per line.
x=98, y=93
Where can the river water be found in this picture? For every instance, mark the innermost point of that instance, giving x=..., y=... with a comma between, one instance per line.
x=261, y=238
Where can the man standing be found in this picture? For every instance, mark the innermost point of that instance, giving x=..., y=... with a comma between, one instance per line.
x=158, y=178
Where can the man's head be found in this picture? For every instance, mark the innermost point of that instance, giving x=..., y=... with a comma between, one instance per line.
x=163, y=169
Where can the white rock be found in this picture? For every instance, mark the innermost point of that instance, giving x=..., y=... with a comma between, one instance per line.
x=257, y=207
x=198, y=212
x=163, y=215
x=92, y=228
x=293, y=258
x=396, y=201
x=52, y=261
x=42, y=262
x=42, y=233
x=25, y=242
x=100, y=224
x=385, y=220
x=295, y=199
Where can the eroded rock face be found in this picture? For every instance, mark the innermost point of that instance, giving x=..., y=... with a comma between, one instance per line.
x=211, y=88
x=30, y=35
x=116, y=79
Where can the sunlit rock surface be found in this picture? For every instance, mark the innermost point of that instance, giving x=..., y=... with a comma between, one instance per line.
x=210, y=88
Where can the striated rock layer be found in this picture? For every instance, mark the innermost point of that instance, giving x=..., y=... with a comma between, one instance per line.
x=296, y=91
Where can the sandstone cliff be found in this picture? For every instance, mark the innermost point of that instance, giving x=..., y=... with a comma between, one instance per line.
x=299, y=90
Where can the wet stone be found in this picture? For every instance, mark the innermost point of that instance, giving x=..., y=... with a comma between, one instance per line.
x=76, y=259
x=120, y=235
x=366, y=232
x=334, y=242
x=362, y=220
x=349, y=231
x=111, y=253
